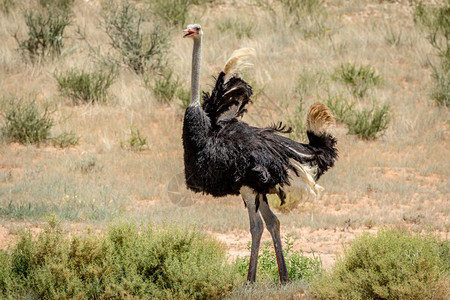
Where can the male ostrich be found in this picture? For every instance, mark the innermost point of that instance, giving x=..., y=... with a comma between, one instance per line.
x=225, y=156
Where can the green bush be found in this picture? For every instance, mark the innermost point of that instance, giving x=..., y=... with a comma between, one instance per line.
x=45, y=34
x=342, y=108
x=185, y=97
x=165, y=87
x=297, y=122
x=369, y=124
x=25, y=123
x=126, y=263
x=141, y=45
x=435, y=19
x=299, y=266
x=358, y=78
x=441, y=92
x=393, y=264
x=86, y=87
x=366, y=123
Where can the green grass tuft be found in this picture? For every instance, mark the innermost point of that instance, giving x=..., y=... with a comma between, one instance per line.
x=358, y=78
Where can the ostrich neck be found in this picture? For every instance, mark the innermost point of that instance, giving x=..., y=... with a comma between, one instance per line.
x=195, y=76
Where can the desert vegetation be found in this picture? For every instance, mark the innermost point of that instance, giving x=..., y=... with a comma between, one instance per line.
x=92, y=95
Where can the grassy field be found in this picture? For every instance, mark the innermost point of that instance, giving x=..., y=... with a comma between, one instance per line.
x=127, y=144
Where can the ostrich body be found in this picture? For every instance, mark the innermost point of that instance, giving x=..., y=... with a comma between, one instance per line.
x=225, y=156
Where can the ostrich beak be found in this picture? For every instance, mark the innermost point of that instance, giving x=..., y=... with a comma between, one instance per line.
x=189, y=32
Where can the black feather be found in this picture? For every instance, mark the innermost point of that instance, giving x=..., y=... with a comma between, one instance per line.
x=222, y=155
x=225, y=95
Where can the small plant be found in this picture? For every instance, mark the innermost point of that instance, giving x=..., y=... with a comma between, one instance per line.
x=393, y=264
x=26, y=123
x=358, y=78
x=86, y=87
x=185, y=97
x=165, y=87
x=299, y=266
x=141, y=46
x=45, y=34
x=297, y=122
x=136, y=142
x=441, y=92
x=341, y=108
x=368, y=124
x=65, y=139
x=239, y=28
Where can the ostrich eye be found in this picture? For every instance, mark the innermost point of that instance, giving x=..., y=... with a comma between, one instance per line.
x=197, y=28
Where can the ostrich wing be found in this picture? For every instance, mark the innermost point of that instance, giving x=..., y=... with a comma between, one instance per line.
x=228, y=99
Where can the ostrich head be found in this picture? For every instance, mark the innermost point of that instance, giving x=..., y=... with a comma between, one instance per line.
x=193, y=30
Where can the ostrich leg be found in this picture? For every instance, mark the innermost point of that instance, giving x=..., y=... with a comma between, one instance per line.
x=256, y=230
x=273, y=225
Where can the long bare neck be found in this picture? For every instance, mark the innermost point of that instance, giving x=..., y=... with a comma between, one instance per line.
x=195, y=75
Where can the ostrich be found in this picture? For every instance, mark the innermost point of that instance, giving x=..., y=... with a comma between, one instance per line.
x=225, y=156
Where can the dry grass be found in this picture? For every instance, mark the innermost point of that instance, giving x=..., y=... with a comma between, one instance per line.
x=401, y=178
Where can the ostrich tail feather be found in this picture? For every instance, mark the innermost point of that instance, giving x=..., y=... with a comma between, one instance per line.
x=239, y=61
x=319, y=119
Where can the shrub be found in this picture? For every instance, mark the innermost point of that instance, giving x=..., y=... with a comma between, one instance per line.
x=141, y=46
x=45, y=34
x=25, y=123
x=393, y=264
x=441, y=92
x=136, y=142
x=86, y=87
x=436, y=21
x=126, y=263
x=299, y=266
x=342, y=108
x=358, y=78
x=297, y=122
x=185, y=97
x=369, y=124
x=165, y=87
